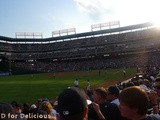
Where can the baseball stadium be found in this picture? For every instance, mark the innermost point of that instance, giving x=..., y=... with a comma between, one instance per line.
x=33, y=67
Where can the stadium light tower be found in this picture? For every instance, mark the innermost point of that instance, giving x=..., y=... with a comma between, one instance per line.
x=63, y=32
x=28, y=35
x=102, y=26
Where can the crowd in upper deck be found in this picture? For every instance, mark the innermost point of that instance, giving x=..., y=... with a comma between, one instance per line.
x=142, y=40
x=146, y=59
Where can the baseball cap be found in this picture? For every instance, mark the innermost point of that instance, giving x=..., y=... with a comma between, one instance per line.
x=15, y=104
x=71, y=101
x=113, y=90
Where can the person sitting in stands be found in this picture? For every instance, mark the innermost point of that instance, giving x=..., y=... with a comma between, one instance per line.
x=155, y=98
x=17, y=110
x=47, y=107
x=109, y=110
x=72, y=105
x=113, y=94
x=134, y=102
x=5, y=110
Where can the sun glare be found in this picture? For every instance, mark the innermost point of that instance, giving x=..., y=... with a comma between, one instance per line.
x=157, y=23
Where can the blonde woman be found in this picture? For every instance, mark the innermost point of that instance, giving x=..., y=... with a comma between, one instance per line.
x=46, y=106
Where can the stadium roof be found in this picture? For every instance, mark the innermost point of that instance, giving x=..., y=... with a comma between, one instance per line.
x=79, y=35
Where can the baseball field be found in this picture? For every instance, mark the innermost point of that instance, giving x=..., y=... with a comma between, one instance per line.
x=28, y=88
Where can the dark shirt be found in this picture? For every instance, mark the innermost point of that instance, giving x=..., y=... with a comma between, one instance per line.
x=109, y=110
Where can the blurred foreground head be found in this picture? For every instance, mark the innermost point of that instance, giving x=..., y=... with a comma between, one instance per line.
x=134, y=102
x=5, y=110
x=72, y=104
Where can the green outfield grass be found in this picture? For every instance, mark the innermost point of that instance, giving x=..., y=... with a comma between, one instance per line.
x=29, y=88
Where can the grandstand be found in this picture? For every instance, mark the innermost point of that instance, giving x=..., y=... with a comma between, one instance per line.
x=115, y=47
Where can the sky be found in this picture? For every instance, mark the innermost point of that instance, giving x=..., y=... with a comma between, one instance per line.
x=46, y=16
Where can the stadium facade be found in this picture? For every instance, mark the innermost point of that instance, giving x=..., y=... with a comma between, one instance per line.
x=115, y=47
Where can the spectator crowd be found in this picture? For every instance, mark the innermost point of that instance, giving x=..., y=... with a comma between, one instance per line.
x=135, y=99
